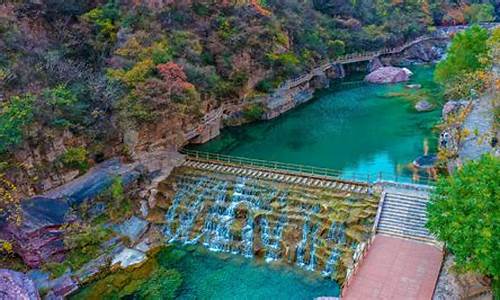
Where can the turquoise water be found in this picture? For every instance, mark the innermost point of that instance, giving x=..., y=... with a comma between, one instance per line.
x=360, y=129
x=209, y=275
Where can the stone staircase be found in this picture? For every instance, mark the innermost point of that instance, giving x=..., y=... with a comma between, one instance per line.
x=404, y=215
x=280, y=176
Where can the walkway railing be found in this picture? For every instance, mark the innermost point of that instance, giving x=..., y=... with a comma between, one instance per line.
x=208, y=118
x=440, y=33
x=303, y=169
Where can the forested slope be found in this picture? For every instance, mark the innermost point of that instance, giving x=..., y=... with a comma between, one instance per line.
x=79, y=79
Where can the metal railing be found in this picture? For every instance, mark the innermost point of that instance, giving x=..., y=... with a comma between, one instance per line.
x=302, y=169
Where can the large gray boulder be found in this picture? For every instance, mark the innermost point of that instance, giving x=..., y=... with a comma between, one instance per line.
x=388, y=75
x=39, y=237
x=16, y=286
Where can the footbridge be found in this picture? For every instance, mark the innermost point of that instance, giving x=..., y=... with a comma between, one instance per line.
x=442, y=33
x=399, y=236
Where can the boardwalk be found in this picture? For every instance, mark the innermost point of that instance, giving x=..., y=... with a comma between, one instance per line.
x=396, y=268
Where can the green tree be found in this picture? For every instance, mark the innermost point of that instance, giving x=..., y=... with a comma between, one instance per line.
x=464, y=212
x=468, y=52
x=15, y=116
x=484, y=12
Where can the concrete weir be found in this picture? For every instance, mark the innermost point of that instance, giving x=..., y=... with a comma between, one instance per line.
x=397, y=259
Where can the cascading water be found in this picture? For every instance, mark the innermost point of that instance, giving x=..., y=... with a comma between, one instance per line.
x=336, y=235
x=224, y=213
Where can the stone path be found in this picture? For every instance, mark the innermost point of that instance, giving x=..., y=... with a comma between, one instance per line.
x=396, y=268
x=479, y=123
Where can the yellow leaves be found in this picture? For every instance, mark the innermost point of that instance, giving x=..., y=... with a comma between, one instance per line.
x=9, y=202
x=138, y=73
x=6, y=247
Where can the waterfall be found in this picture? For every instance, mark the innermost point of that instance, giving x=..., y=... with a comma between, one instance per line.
x=336, y=235
x=312, y=250
x=271, y=239
x=331, y=262
x=301, y=247
x=224, y=213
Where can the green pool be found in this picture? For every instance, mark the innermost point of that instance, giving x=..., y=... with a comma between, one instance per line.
x=358, y=129
x=208, y=275
x=195, y=273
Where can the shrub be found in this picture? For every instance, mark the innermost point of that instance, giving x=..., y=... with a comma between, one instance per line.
x=479, y=12
x=76, y=158
x=253, y=112
x=464, y=211
x=63, y=106
x=264, y=86
x=119, y=205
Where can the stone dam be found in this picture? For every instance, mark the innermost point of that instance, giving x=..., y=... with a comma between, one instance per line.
x=317, y=229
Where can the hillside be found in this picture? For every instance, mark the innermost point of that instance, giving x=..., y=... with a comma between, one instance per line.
x=82, y=81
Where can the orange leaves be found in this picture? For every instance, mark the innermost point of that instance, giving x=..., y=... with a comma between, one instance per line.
x=173, y=74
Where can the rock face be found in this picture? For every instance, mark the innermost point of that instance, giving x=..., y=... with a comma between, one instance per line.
x=16, y=286
x=423, y=105
x=453, y=107
x=39, y=237
x=388, y=75
x=374, y=64
x=133, y=228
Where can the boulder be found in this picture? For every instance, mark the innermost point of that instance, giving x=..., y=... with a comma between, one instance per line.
x=39, y=238
x=374, y=64
x=388, y=75
x=319, y=81
x=132, y=228
x=453, y=107
x=15, y=285
x=423, y=105
x=128, y=257
x=63, y=286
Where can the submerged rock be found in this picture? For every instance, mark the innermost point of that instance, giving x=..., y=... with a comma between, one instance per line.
x=15, y=285
x=414, y=86
x=425, y=161
x=129, y=257
x=424, y=105
x=389, y=75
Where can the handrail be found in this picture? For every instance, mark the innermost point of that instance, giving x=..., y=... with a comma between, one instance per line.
x=355, y=57
x=303, y=169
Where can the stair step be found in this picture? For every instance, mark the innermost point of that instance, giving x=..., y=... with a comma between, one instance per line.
x=403, y=205
x=412, y=196
x=402, y=213
x=405, y=201
x=404, y=232
x=393, y=214
x=401, y=235
x=401, y=208
x=402, y=227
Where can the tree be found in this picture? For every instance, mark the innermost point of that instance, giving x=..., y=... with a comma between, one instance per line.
x=467, y=53
x=479, y=13
x=15, y=115
x=464, y=212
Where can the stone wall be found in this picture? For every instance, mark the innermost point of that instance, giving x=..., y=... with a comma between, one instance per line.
x=284, y=99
